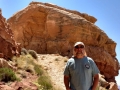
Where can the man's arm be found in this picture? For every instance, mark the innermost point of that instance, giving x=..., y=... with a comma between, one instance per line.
x=95, y=82
x=66, y=82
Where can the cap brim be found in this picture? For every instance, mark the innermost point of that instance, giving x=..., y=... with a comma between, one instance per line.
x=79, y=43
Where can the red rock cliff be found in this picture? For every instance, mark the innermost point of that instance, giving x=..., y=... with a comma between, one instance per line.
x=48, y=28
x=8, y=46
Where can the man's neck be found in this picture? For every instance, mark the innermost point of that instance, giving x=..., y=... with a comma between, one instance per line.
x=79, y=56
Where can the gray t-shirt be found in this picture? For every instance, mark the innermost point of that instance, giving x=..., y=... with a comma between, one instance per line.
x=81, y=72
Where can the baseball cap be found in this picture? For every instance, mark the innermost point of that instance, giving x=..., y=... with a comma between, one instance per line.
x=79, y=43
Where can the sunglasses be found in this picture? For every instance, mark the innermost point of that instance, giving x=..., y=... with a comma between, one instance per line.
x=77, y=47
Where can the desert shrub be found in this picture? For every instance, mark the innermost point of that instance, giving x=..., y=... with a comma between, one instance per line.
x=25, y=62
x=29, y=68
x=33, y=54
x=7, y=74
x=57, y=59
x=38, y=69
x=65, y=60
x=45, y=82
x=24, y=51
x=21, y=62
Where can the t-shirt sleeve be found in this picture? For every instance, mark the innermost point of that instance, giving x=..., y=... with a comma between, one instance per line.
x=66, y=70
x=95, y=68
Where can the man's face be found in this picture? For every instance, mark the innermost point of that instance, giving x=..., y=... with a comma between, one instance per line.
x=79, y=49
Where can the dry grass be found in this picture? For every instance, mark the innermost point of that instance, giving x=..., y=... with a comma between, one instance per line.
x=29, y=64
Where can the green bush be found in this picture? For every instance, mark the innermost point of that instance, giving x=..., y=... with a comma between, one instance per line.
x=45, y=82
x=38, y=69
x=7, y=74
x=24, y=51
x=33, y=54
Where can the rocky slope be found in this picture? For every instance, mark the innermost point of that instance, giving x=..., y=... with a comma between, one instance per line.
x=54, y=65
x=48, y=28
x=8, y=46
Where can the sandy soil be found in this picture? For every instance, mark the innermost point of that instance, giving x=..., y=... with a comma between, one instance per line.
x=54, y=65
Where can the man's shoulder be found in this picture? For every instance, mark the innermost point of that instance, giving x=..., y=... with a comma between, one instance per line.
x=71, y=59
x=90, y=59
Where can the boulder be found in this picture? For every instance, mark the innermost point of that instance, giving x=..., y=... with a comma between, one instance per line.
x=4, y=63
x=113, y=86
x=103, y=82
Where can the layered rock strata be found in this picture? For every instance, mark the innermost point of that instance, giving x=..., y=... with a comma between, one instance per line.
x=8, y=46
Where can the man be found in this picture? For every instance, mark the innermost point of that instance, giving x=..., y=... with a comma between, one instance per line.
x=81, y=72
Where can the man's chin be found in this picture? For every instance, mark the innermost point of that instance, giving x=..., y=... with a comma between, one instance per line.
x=79, y=54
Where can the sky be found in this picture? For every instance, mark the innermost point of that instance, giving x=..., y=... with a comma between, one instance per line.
x=107, y=13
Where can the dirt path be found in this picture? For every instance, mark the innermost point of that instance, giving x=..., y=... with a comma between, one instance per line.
x=54, y=65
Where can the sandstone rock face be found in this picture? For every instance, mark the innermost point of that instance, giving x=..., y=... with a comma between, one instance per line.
x=47, y=28
x=8, y=46
x=4, y=63
x=113, y=86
